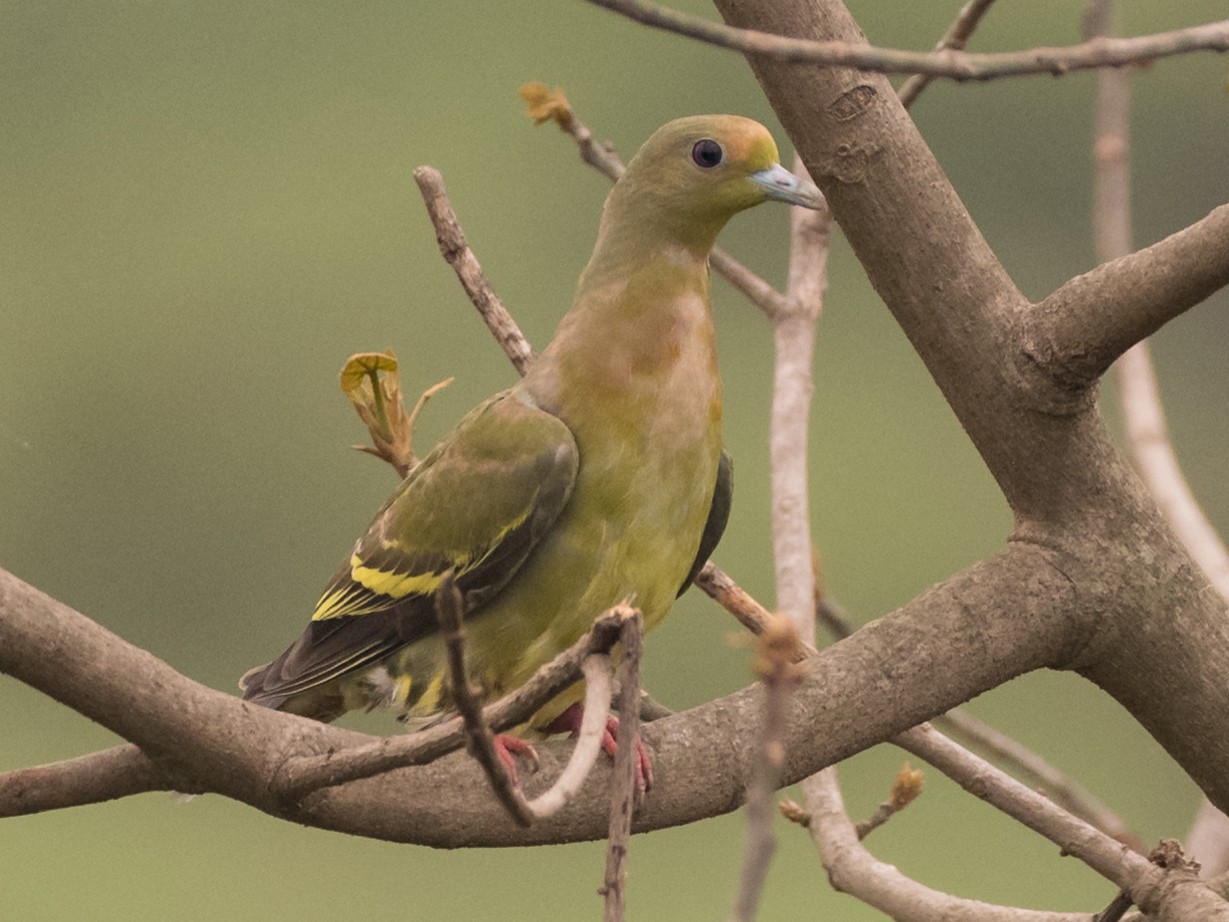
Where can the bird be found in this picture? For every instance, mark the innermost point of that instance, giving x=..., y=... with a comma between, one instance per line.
x=600, y=476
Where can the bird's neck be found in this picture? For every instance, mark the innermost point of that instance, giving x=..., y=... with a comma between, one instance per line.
x=641, y=312
x=636, y=231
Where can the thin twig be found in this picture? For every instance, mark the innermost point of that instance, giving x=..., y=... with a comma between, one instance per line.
x=457, y=253
x=1208, y=839
x=1116, y=909
x=450, y=612
x=721, y=588
x=793, y=324
x=624, y=788
x=1152, y=450
x=1101, y=852
x=906, y=788
x=854, y=870
x=955, y=39
x=1056, y=785
x=779, y=674
x=599, y=682
x=794, y=330
x=956, y=65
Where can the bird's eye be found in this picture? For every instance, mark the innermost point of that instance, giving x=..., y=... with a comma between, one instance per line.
x=707, y=153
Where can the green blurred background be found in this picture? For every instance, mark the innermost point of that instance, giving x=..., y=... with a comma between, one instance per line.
x=207, y=207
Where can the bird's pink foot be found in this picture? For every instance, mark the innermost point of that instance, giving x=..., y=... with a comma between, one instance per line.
x=508, y=747
x=569, y=722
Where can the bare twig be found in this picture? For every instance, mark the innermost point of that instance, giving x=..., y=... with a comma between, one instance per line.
x=599, y=682
x=956, y=37
x=955, y=65
x=1101, y=852
x=624, y=789
x=1056, y=785
x=793, y=326
x=1208, y=839
x=721, y=588
x=450, y=612
x=794, y=342
x=906, y=787
x=1152, y=450
x=854, y=870
x=779, y=674
x=457, y=253
x=1116, y=909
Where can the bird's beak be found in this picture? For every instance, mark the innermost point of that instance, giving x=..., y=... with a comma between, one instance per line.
x=781, y=185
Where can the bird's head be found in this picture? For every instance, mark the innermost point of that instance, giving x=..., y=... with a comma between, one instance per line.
x=696, y=172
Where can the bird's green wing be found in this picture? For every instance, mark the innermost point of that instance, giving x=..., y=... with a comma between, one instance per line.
x=477, y=505
x=718, y=518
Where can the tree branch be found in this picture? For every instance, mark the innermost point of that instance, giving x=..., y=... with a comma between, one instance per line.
x=457, y=253
x=793, y=330
x=854, y=870
x=952, y=64
x=956, y=37
x=1106, y=855
x=1078, y=331
x=623, y=790
x=218, y=743
x=1058, y=469
x=721, y=588
x=977, y=734
x=100, y=776
x=1056, y=785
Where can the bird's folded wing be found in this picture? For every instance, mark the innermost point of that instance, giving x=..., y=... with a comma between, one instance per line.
x=477, y=505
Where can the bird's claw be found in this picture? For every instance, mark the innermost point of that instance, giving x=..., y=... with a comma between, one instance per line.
x=644, y=767
x=508, y=747
x=569, y=722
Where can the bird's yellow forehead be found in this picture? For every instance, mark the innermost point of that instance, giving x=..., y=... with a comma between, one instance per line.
x=750, y=143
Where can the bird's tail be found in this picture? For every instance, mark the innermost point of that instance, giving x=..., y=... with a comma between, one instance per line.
x=252, y=684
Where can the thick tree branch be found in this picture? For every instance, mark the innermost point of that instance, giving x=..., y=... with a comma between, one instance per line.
x=1053, y=459
x=956, y=65
x=215, y=742
x=100, y=776
x=1011, y=755
x=1079, y=330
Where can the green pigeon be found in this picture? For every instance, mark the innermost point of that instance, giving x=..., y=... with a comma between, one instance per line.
x=598, y=477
